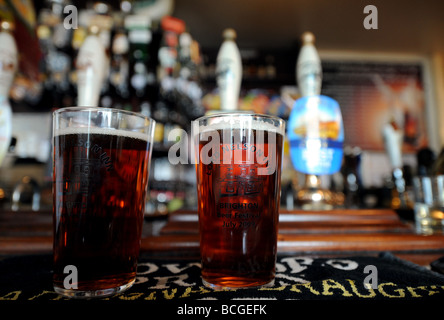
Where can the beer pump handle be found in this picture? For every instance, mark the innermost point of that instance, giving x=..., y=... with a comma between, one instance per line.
x=393, y=138
x=308, y=67
x=8, y=63
x=91, y=65
x=312, y=116
x=229, y=71
x=308, y=71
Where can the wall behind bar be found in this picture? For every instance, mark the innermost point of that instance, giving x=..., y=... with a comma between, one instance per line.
x=404, y=27
x=407, y=26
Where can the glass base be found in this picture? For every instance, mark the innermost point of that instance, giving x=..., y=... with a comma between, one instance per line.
x=100, y=293
x=232, y=286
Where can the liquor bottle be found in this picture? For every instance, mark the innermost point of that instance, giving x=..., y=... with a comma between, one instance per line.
x=315, y=131
x=168, y=52
x=426, y=159
x=118, y=92
x=187, y=68
x=351, y=177
x=229, y=71
x=8, y=67
x=189, y=102
x=139, y=36
x=438, y=165
x=56, y=45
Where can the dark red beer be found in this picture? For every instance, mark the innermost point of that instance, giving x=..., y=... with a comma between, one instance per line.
x=100, y=178
x=238, y=208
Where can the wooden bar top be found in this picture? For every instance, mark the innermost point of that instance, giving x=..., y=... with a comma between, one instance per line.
x=334, y=232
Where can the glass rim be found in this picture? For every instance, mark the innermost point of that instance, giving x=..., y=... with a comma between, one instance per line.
x=277, y=124
x=236, y=113
x=266, y=122
x=92, y=108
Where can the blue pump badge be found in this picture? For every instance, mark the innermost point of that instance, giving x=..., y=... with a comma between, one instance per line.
x=316, y=135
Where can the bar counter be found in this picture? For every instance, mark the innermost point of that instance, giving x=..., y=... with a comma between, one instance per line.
x=321, y=255
x=315, y=233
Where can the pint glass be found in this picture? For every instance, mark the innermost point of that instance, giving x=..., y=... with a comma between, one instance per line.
x=100, y=176
x=238, y=166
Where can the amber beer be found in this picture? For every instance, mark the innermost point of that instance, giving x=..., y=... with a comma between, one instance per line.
x=238, y=198
x=100, y=182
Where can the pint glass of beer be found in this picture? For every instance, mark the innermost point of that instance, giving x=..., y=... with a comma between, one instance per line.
x=238, y=166
x=100, y=177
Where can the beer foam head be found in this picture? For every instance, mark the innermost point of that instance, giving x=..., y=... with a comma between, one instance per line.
x=105, y=131
x=241, y=121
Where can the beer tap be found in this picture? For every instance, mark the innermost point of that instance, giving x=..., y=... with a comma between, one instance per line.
x=393, y=137
x=91, y=65
x=8, y=67
x=309, y=78
x=229, y=71
x=308, y=67
x=315, y=131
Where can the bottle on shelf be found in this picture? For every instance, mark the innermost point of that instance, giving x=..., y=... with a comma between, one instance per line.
x=118, y=92
x=351, y=177
x=58, y=46
x=168, y=52
x=426, y=159
x=187, y=67
x=438, y=164
x=139, y=37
